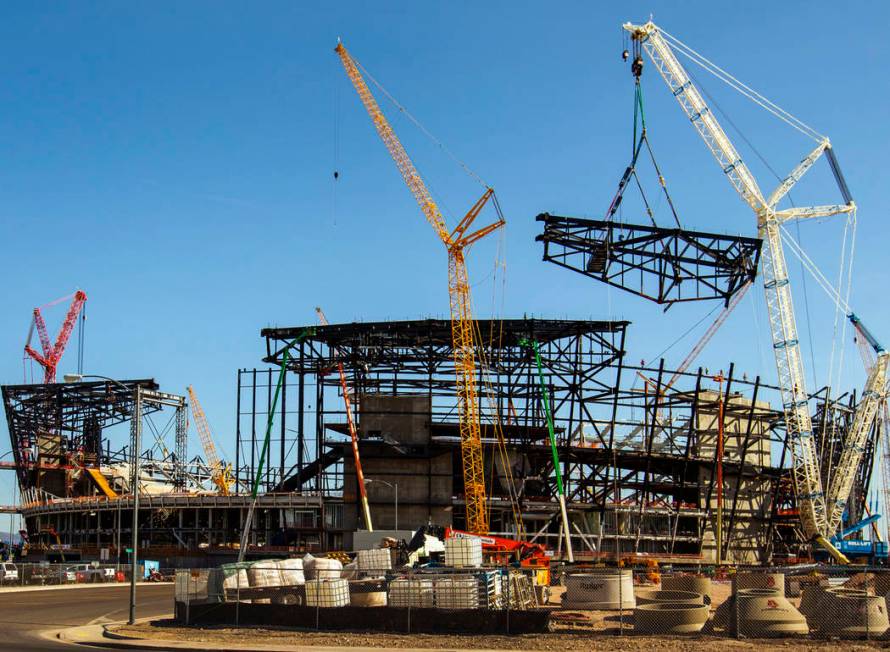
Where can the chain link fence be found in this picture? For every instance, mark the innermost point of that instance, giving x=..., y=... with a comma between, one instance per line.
x=811, y=603
x=47, y=574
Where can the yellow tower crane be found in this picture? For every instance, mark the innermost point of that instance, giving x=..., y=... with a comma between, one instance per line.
x=463, y=339
x=220, y=474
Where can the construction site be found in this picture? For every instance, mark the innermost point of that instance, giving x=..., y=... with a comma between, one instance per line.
x=532, y=430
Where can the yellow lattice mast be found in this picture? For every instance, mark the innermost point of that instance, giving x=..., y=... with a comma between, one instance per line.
x=220, y=474
x=462, y=325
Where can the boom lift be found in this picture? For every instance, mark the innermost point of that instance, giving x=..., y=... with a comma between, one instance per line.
x=220, y=474
x=462, y=325
x=353, y=434
x=819, y=518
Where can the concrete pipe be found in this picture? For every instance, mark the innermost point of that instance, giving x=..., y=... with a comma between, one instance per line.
x=856, y=616
x=747, y=580
x=694, y=583
x=762, y=613
x=676, y=597
x=809, y=603
x=670, y=618
x=607, y=590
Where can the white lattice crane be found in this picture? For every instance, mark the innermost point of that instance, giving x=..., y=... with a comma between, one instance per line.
x=220, y=474
x=819, y=515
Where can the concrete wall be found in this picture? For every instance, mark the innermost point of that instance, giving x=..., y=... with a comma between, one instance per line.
x=405, y=419
x=425, y=488
x=747, y=540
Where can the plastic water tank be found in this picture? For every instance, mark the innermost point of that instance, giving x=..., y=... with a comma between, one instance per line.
x=463, y=552
x=327, y=593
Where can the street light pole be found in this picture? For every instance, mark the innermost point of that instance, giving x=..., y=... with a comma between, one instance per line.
x=395, y=487
x=136, y=442
x=135, y=446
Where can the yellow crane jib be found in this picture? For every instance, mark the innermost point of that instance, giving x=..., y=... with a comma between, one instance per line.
x=462, y=325
x=220, y=474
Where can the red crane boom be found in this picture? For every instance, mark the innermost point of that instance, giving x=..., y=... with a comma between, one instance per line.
x=52, y=353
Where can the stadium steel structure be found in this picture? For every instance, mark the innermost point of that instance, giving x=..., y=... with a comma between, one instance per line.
x=635, y=452
x=637, y=456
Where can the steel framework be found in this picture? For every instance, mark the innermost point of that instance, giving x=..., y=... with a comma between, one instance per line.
x=664, y=265
x=74, y=414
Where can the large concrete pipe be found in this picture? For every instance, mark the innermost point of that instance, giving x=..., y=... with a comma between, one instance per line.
x=763, y=613
x=746, y=580
x=670, y=618
x=694, y=583
x=855, y=616
x=649, y=596
x=606, y=589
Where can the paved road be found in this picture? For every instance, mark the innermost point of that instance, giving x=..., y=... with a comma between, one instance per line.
x=25, y=614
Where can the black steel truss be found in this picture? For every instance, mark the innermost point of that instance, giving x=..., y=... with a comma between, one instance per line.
x=663, y=265
x=77, y=412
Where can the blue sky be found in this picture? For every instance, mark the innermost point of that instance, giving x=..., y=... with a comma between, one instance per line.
x=175, y=161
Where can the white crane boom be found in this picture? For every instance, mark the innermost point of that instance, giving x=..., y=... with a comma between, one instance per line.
x=795, y=399
x=855, y=440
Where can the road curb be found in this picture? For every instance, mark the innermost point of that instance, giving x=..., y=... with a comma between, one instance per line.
x=100, y=636
x=74, y=587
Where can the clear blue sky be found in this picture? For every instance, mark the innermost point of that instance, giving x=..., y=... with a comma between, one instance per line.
x=175, y=161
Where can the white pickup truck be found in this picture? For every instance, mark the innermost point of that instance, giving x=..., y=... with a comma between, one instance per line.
x=9, y=574
x=89, y=573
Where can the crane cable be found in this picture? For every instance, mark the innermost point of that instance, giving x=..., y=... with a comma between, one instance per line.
x=466, y=168
x=640, y=138
x=799, y=252
x=742, y=88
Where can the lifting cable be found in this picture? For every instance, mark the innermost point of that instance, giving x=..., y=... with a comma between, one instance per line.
x=640, y=138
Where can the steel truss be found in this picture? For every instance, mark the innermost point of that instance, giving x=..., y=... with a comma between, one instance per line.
x=59, y=427
x=73, y=413
x=637, y=456
x=664, y=265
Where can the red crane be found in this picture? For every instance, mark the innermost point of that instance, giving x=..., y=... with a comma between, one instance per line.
x=52, y=353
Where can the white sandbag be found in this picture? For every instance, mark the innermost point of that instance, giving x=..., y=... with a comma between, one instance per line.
x=264, y=573
x=327, y=569
x=235, y=576
x=291, y=571
x=350, y=571
x=309, y=566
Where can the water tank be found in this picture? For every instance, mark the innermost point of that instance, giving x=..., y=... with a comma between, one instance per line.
x=410, y=592
x=463, y=552
x=327, y=593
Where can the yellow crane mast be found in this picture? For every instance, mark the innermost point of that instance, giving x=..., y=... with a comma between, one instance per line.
x=462, y=326
x=220, y=474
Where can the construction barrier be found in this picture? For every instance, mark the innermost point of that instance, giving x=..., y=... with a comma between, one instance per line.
x=809, y=603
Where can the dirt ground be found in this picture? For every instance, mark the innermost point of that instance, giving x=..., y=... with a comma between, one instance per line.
x=561, y=639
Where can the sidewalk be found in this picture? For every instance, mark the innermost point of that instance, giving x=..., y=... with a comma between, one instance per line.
x=66, y=587
x=100, y=636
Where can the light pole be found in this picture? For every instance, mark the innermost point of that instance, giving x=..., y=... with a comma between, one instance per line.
x=136, y=439
x=395, y=487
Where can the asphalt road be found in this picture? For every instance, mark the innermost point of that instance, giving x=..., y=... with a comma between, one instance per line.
x=24, y=615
